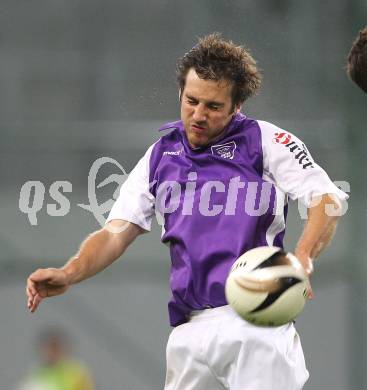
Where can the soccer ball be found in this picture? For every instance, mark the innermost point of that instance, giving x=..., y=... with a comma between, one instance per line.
x=267, y=286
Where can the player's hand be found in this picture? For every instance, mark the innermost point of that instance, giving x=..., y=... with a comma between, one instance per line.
x=45, y=283
x=307, y=264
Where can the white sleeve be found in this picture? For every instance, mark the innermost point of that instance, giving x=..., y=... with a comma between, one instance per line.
x=289, y=165
x=135, y=202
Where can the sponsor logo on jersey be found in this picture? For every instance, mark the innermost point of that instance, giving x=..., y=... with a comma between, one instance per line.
x=299, y=150
x=224, y=150
x=282, y=138
x=173, y=153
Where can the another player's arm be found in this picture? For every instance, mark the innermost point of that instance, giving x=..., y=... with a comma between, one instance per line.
x=97, y=252
x=323, y=215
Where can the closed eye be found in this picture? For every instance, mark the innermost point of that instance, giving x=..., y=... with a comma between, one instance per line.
x=214, y=107
x=192, y=102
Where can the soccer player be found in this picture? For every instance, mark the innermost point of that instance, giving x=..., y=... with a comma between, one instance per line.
x=220, y=181
x=357, y=60
x=58, y=370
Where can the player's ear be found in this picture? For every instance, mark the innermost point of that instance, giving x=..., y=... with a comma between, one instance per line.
x=236, y=109
x=180, y=94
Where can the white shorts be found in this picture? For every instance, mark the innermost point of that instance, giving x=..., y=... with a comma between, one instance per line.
x=218, y=350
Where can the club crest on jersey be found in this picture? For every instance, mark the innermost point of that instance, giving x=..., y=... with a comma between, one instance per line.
x=224, y=150
x=300, y=152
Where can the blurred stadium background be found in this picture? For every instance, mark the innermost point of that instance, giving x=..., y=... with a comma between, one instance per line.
x=86, y=79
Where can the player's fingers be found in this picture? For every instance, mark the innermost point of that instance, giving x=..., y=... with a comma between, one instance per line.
x=28, y=293
x=311, y=295
x=30, y=304
x=309, y=267
x=31, y=296
x=31, y=287
x=35, y=303
x=306, y=262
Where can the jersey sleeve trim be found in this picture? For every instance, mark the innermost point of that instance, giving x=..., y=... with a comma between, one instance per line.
x=135, y=203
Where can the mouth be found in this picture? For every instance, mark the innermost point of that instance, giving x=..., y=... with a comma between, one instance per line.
x=197, y=129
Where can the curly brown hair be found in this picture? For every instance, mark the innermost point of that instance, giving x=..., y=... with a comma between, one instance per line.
x=213, y=58
x=357, y=60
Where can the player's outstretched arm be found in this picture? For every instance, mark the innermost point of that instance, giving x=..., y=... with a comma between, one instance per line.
x=97, y=252
x=323, y=215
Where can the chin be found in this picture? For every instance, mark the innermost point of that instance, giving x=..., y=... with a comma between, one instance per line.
x=197, y=142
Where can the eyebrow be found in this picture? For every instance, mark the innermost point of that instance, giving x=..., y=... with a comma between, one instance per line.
x=210, y=102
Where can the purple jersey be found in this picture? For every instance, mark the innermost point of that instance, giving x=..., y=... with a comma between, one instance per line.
x=218, y=201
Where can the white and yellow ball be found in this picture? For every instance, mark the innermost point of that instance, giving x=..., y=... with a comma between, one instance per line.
x=267, y=286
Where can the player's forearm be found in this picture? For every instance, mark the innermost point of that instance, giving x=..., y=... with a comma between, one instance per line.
x=98, y=251
x=319, y=229
x=92, y=257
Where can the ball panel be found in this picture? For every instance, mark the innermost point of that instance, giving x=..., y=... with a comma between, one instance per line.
x=284, y=285
x=267, y=279
x=280, y=258
x=285, y=309
x=252, y=258
x=242, y=300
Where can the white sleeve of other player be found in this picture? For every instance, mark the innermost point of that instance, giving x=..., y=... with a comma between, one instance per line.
x=135, y=202
x=289, y=165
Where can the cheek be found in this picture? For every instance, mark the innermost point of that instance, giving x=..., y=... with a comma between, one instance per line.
x=220, y=119
x=185, y=110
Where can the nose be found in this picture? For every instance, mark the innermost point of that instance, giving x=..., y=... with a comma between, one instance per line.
x=199, y=114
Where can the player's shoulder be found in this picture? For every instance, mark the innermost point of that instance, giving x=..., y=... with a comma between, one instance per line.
x=273, y=134
x=169, y=143
x=171, y=137
x=269, y=129
x=171, y=132
x=267, y=126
